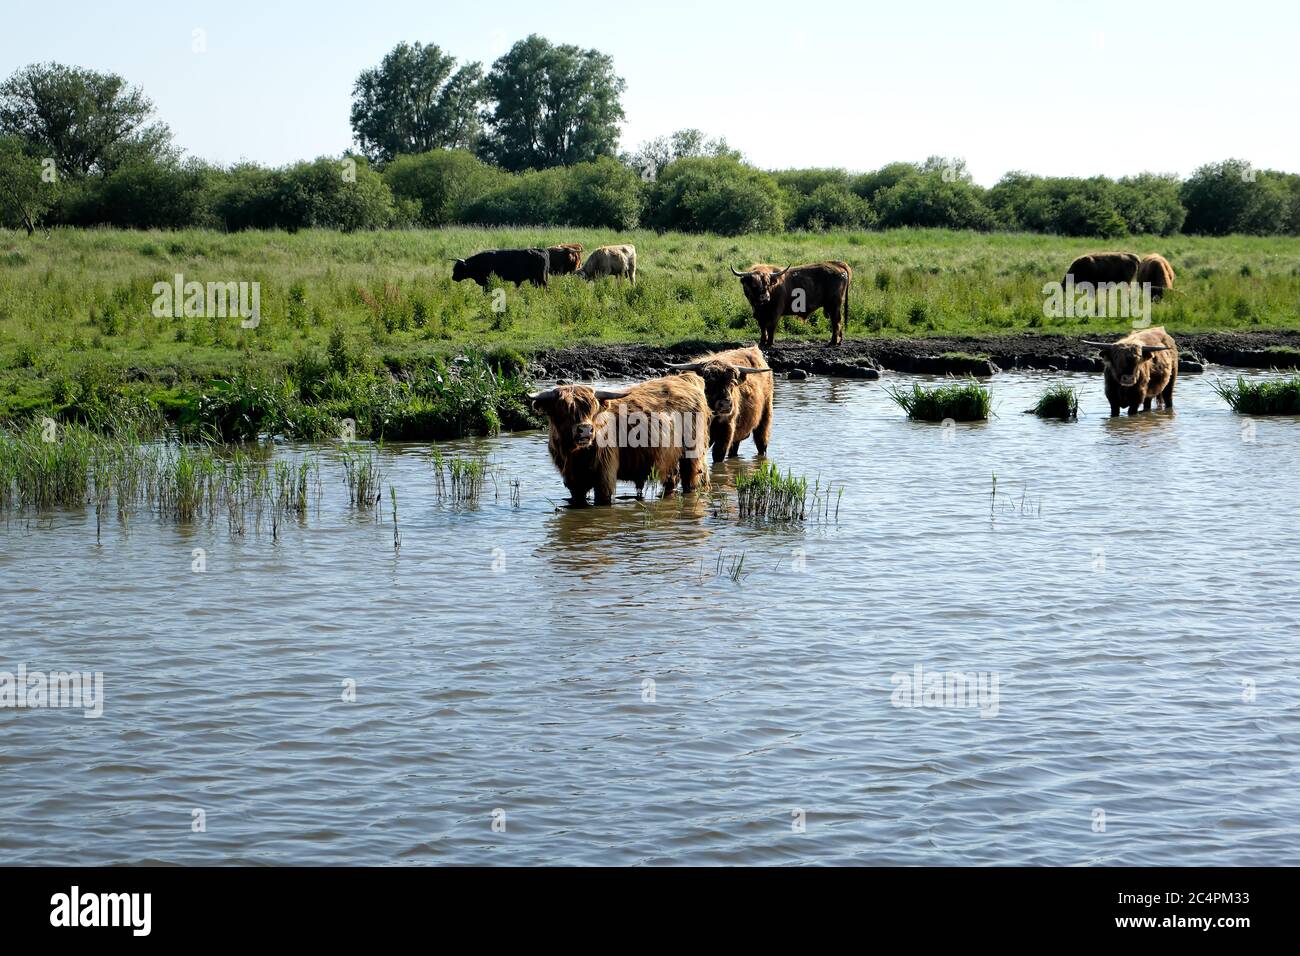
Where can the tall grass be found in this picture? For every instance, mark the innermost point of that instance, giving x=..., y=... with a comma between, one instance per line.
x=1279, y=397
x=1058, y=401
x=961, y=402
x=765, y=493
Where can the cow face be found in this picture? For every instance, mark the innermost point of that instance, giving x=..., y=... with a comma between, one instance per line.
x=459, y=271
x=721, y=388
x=574, y=412
x=761, y=284
x=1125, y=360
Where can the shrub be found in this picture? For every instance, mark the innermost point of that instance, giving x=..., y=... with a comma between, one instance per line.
x=716, y=194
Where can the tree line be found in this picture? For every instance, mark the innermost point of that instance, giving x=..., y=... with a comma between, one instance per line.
x=534, y=141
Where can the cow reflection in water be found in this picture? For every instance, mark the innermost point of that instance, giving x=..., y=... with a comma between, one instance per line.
x=633, y=537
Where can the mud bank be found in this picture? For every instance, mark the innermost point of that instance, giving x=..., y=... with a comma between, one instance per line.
x=867, y=358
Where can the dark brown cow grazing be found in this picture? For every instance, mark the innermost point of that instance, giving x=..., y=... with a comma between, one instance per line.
x=1102, y=267
x=797, y=290
x=565, y=258
x=1140, y=367
x=602, y=436
x=1157, y=271
x=738, y=387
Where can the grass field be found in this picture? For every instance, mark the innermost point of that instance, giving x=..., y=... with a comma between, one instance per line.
x=351, y=323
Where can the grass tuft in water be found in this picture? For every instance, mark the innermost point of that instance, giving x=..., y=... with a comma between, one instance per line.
x=961, y=402
x=363, y=476
x=1280, y=397
x=1059, y=401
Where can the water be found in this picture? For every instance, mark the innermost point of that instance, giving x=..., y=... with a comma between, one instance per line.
x=1131, y=589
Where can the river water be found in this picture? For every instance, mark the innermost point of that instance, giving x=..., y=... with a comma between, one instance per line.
x=526, y=683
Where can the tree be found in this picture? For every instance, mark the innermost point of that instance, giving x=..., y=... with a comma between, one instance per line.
x=653, y=155
x=25, y=194
x=553, y=106
x=719, y=195
x=415, y=101
x=85, y=121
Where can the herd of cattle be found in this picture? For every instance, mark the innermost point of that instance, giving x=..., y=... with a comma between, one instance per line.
x=661, y=429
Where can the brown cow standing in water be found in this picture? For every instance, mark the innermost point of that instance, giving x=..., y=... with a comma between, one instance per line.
x=738, y=387
x=1157, y=271
x=797, y=290
x=1140, y=367
x=602, y=436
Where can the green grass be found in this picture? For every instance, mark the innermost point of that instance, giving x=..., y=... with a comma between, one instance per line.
x=1058, y=401
x=365, y=326
x=961, y=402
x=766, y=493
x=1281, y=397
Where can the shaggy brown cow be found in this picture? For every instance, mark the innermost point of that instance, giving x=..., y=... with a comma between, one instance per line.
x=602, y=436
x=1102, y=267
x=565, y=258
x=610, y=261
x=738, y=386
x=1139, y=367
x=797, y=290
x=1157, y=271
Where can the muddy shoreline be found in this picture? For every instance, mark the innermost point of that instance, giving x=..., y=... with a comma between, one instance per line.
x=867, y=358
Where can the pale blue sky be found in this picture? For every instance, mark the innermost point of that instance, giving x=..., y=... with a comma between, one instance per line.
x=1032, y=85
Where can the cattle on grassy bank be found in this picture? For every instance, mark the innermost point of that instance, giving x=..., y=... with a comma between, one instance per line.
x=1140, y=367
x=738, y=388
x=617, y=261
x=797, y=290
x=1156, y=270
x=565, y=258
x=509, y=265
x=1099, y=267
x=601, y=436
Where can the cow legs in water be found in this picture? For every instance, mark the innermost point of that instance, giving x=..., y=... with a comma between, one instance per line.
x=734, y=451
x=605, y=485
x=763, y=431
x=1146, y=406
x=1167, y=396
x=690, y=469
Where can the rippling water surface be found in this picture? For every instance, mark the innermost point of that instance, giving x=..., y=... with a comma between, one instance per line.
x=1131, y=589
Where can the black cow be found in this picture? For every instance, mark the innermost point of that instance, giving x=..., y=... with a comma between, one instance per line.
x=509, y=265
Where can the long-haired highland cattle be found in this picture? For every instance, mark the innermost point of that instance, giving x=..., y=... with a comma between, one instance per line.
x=1156, y=271
x=738, y=388
x=797, y=290
x=599, y=437
x=1140, y=367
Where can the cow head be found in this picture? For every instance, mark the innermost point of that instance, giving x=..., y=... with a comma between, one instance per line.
x=721, y=383
x=1124, y=360
x=573, y=411
x=760, y=283
x=458, y=271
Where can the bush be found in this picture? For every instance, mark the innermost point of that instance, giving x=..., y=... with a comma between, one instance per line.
x=832, y=206
x=332, y=194
x=442, y=183
x=144, y=194
x=719, y=195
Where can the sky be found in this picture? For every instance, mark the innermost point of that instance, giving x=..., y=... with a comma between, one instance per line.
x=1055, y=88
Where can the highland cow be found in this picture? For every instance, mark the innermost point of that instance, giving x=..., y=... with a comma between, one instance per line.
x=1156, y=271
x=565, y=258
x=797, y=290
x=1102, y=267
x=509, y=265
x=738, y=387
x=1140, y=367
x=617, y=261
x=602, y=436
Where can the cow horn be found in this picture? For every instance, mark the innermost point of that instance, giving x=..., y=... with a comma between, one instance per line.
x=737, y=273
x=782, y=272
x=686, y=366
x=605, y=394
x=545, y=395
x=748, y=370
x=456, y=260
x=1148, y=349
x=1100, y=345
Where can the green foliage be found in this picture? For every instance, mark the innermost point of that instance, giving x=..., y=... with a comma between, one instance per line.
x=1058, y=401
x=719, y=195
x=960, y=402
x=84, y=120
x=442, y=182
x=25, y=196
x=415, y=101
x=552, y=106
x=1275, y=397
x=832, y=206
x=600, y=194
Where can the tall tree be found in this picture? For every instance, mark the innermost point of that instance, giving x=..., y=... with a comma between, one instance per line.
x=553, y=106
x=85, y=121
x=653, y=155
x=415, y=101
x=25, y=194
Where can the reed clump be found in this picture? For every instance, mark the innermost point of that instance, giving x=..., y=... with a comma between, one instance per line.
x=1059, y=401
x=960, y=402
x=1276, y=397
